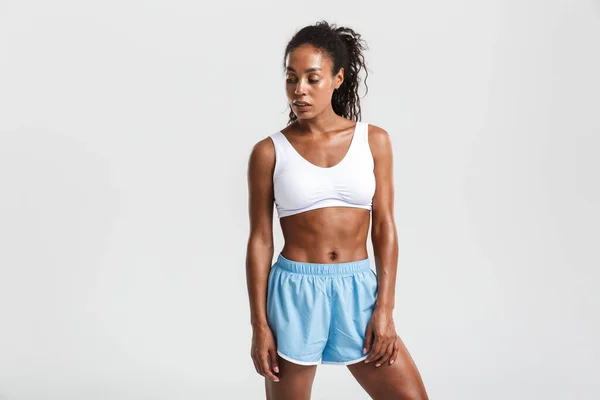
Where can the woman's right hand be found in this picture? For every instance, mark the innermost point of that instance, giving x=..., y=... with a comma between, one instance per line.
x=264, y=350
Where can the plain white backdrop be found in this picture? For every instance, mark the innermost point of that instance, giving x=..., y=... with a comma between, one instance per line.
x=125, y=131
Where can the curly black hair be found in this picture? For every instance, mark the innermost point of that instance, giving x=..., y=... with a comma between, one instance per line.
x=344, y=47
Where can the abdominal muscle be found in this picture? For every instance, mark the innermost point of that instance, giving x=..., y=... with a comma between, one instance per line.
x=326, y=235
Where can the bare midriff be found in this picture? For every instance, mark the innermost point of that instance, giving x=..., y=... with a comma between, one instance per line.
x=326, y=235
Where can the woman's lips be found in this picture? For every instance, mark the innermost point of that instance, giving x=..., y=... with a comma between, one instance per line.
x=301, y=107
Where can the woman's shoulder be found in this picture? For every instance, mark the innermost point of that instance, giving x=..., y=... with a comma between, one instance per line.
x=264, y=145
x=376, y=131
x=379, y=139
x=263, y=151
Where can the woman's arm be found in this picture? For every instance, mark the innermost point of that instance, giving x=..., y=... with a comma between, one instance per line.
x=259, y=255
x=381, y=331
x=259, y=252
x=383, y=233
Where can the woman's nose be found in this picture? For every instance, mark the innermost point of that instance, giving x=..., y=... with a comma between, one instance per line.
x=299, y=88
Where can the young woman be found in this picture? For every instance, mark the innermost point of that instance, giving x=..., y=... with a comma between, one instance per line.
x=327, y=174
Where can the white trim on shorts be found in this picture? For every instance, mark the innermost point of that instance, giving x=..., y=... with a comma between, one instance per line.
x=321, y=360
x=298, y=362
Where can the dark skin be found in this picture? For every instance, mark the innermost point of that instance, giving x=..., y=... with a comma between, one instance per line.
x=326, y=235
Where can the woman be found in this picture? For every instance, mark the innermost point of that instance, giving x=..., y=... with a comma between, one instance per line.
x=321, y=303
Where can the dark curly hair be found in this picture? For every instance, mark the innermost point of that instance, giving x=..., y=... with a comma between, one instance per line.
x=344, y=47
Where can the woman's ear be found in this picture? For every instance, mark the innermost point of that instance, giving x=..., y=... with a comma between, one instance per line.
x=339, y=78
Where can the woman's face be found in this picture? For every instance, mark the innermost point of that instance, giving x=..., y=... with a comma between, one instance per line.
x=308, y=79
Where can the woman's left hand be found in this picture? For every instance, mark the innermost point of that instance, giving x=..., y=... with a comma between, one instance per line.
x=381, y=333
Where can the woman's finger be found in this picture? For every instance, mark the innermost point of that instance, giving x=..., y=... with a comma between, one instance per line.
x=386, y=355
x=257, y=363
x=264, y=362
x=368, y=339
x=376, y=352
x=380, y=350
x=273, y=354
x=396, y=349
x=256, y=367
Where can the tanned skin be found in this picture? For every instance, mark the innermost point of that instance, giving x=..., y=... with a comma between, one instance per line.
x=326, y=235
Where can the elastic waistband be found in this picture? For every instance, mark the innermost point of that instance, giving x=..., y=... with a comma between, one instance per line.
x=307, y=268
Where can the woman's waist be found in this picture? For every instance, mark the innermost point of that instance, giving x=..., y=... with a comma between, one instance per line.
x=325, y=253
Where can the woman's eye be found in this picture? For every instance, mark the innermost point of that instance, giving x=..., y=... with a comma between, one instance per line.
x=292, y=80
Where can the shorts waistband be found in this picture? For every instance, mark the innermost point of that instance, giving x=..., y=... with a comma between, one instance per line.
x=307, y=268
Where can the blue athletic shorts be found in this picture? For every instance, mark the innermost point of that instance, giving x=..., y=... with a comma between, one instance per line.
x=318, y=313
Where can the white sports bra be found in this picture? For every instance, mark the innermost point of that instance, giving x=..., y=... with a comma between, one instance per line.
x=300, y=185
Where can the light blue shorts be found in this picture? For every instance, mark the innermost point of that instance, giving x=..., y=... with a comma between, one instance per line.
x=318, y=313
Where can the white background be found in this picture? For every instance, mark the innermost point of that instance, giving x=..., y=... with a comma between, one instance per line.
x=125, y=131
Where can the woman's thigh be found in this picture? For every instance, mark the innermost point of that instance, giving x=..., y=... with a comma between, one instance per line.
x=295, y=381
x=399, y=381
